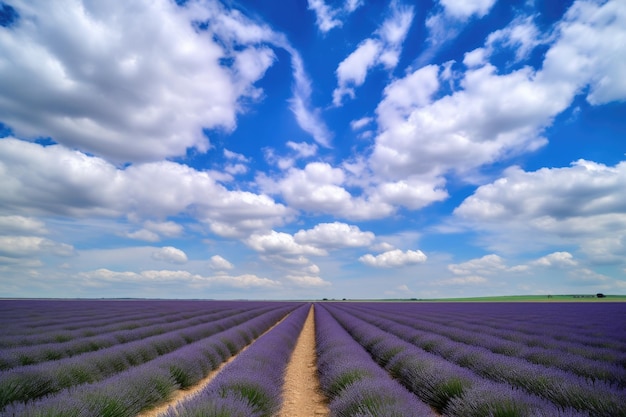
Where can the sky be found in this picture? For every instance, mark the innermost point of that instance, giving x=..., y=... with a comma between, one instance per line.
x=312, y=149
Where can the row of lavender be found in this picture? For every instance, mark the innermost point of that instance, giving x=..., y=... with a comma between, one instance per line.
x=122, y=379
x=466, y=379
x=584, y=339
x=353, y=382
x=100, y=335
x=251, y=385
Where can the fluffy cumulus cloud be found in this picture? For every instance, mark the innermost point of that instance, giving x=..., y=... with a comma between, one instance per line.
x=334, y=235
x=319, y=188
x=496, y=115
x=282, y=252
x=556, y=259
x=281, y=244
x=83, y=75
x=170, y=254
x=462, y=9
x=382, y=49
x=56, y=180
x=394, y=258
x=582, y=205
x=218, y=263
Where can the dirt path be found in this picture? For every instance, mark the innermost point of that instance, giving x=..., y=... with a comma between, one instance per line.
x=302, y=395
x=183, y=395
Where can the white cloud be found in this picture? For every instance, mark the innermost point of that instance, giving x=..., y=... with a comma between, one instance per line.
x=219, y=263
x=384, y=49
x=463, y=9
x=521, y=35
x=412, y=193
x=308, y=118
x=143, y=234
x=318, y=188
x=235, y=156
x=464, y=280
x=307, y=281
x=107, y=80
x=496, y=115
x=446, y=24
x=360, y=123
x=352, y=5
x=153, y=231
x=394, y=258
x=493, y=115
x=393, y=31
x=487, y=265
x=334, y=235
x=325, y=15
x=562, y=267
x=103, y=276
x=236, y=169
x=281, y=244
x=29, y=246
x=592, y=40
x=283, y=253
x=21, y=225
x=556, y=259
x=170, y=254
x=475, y=58
x=104, y=82
x=168, y=229
x=303, y=149
x=328, y=18
x=56, y=180
x=582, y=205
x=232, y=25
x=353, y=70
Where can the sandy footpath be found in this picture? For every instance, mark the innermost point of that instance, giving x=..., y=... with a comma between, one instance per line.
x=302, y=396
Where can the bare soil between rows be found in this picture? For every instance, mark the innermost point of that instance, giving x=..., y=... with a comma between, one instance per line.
x=302, y=395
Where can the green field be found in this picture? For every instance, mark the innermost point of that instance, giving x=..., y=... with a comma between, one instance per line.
x=583, y=298
x=537, y=298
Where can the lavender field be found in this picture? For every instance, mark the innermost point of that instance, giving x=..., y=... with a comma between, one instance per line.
x=123, y=358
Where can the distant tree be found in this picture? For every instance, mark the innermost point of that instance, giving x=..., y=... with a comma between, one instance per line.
x=600, y=295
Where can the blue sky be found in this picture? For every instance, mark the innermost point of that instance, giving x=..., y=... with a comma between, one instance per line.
x=307, y=149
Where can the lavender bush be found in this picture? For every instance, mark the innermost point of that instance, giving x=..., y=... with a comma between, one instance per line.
x=355, y=384
x=562, y=388
x=251, y=385
x=439, y=382
x=138, y=388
